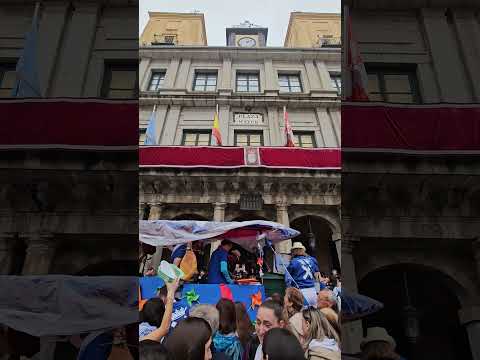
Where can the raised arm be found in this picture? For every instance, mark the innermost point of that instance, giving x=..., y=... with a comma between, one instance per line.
x=162, y=331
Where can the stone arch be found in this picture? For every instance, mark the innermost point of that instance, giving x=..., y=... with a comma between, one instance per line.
x=324, y=248
x=189, y=216
x=429, y=298
x=463, y=288
x=248, y=217
x=332, y=219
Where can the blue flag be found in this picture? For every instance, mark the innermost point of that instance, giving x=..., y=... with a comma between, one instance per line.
x=151, y=129
x=27, y=84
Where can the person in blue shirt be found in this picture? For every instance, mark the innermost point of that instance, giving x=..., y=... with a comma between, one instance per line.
x=304, y=271
x=178, y=253
x=218, y=266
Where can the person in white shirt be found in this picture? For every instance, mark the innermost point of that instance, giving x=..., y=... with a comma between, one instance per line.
x=269, y=316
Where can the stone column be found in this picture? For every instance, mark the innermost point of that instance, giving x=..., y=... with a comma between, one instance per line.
x=324, y=76
x=182, y=78
x=313, y=77
x=143, y=72
x=171, y=125
x=469, y=40
x=470, y=318
x=53, y=19
x=271, y=78
x=141, y=210
x=352, y=331
x=218, y=215
x=40, y=253
x=78, y=42
x=171, y=74
x=225, y=86
x=284, y=247
x=7, y=242
x=450, y=71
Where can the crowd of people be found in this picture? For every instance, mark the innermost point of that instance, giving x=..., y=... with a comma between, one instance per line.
x=284, y=328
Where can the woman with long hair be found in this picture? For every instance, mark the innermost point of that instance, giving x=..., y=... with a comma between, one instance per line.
x=190, y=340
x=292, y=308
x=245, y=329
x=321, y=340
x=225, y=340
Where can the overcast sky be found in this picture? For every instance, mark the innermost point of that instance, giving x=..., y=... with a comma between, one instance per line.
x=220, y=14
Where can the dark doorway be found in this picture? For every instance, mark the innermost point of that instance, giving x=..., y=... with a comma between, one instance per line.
x=316, y=236
x=434, y=329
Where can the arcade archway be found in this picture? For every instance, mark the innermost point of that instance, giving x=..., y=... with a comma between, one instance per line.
x=420, y=311
x=316, y=236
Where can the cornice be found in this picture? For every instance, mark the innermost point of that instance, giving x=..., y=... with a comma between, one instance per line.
x=217, y=53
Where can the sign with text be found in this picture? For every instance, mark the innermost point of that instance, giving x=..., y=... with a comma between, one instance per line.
x=247, y=119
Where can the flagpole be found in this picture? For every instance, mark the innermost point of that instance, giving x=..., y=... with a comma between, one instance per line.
x=36, y=11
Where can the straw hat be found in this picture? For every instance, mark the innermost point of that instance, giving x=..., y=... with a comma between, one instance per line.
x=377, y=334
x=298, y=245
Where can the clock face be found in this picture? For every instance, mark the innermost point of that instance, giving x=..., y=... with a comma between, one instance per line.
x=247, y=42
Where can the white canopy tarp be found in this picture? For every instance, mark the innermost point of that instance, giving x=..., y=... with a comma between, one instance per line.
x=56, y=305
x=244, y=233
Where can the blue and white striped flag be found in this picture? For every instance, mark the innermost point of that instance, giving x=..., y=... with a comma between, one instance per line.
x=151, y=129
x=27, y=84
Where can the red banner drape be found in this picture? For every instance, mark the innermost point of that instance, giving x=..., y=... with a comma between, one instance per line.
x=231, y=157
x=191, y=156
x=411, y=128
x=69, y=122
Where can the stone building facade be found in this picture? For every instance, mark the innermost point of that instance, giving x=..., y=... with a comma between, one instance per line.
x=58, y=205
x=410, y=222
x=250, y=83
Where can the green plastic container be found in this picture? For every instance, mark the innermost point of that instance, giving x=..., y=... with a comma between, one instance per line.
x=274, y=283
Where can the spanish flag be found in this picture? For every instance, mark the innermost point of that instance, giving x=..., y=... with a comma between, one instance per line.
x=216, y=129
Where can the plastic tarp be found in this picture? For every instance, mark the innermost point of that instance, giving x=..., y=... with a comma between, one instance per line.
x=55, y=305
x=244, y=233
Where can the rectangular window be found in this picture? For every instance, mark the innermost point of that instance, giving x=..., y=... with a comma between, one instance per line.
x=120, y=81
x=7, y=79
x=205, y=81
x=248, y=138
x=156, y=80
x=336, y=80
x=305, y=139
x=393, y=84
x=247, y=82
x=290, y=83
x=196, y=137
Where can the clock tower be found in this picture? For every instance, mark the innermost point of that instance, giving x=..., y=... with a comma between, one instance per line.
x=247, y=35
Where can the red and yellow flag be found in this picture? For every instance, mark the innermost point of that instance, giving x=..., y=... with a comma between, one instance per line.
x=216, y=129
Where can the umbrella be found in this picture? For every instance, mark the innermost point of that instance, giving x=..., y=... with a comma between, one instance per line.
x=356, y=306
x=244, y=233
